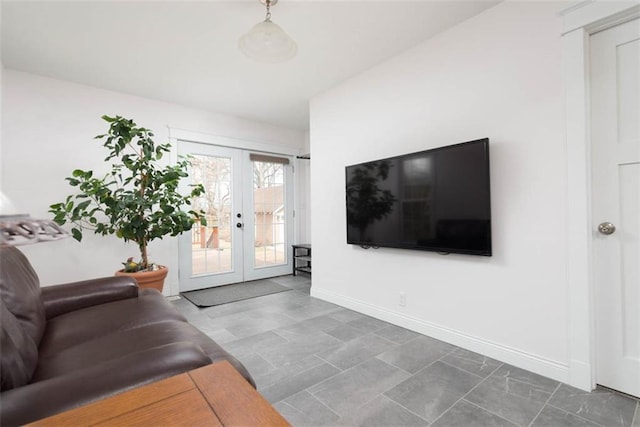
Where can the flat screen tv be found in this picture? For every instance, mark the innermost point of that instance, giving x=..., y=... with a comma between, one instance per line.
x=434, y=200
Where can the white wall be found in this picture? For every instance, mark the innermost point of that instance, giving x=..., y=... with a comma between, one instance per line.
x=497, y=75
x=47, y=131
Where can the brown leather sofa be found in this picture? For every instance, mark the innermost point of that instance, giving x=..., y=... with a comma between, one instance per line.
x=67, y=345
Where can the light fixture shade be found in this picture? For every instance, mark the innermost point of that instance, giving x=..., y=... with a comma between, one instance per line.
x=20, y=229
x=267, y=42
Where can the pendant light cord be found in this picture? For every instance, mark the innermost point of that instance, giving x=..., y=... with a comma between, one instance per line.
x=267, y=18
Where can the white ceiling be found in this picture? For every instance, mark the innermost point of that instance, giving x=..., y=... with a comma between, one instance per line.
x=185, y=52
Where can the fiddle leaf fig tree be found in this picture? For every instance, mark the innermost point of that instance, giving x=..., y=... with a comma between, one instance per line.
x=138, y=200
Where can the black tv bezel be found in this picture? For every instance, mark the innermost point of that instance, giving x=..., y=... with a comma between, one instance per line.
x=488, y=252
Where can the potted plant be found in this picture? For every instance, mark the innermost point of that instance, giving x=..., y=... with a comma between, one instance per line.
x=138, y=200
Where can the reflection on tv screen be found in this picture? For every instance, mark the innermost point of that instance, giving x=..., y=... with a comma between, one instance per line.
x=435, y=200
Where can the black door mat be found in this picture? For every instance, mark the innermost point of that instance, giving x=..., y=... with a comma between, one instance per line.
x=231, y=293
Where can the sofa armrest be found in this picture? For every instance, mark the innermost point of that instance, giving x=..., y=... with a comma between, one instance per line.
x=45, y=398
x=60, y=299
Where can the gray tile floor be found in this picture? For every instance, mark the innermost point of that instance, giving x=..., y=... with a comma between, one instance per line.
x=322, y=365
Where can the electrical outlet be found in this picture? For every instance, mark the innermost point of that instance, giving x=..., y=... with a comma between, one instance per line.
x=403, y=299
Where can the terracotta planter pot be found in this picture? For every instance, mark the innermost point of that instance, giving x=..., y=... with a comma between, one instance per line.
x=148, y=279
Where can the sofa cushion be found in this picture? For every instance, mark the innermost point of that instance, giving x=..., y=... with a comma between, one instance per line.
x=93, y=323
x=81, y=386
x=19, y=355
x=20, y=291
x=112, y=346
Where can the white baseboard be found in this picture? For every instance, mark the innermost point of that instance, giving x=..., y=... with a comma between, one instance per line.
x=512, y=356
x=581, y=375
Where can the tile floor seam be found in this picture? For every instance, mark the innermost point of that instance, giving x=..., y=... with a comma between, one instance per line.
x=482, y=380
x=462, y=369
x=437, y=360
x=397, y=403
x=331, y=364
x=340, y=371
x=282, y=402
x=323, y=404
x=306, y=390
x=263, y=358
x=319, y=401
x=463, y=398
x=545, y=403
x=404, y=407
x=576, y=415
x=317, y=332
x=487, y=410
x=418, y=335
x=385, y=338
x=349, y=369
x=314, y=367
x=295, y=361
x=275, y=331
x=285, y=314
x=532, y=385
x=320, y=362
x=466, y=358
x=455, y=347
x=391, y=364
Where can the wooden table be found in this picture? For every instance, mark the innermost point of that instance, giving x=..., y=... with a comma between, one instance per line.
x=214, y=395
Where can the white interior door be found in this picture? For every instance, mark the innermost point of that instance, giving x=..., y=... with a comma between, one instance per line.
x=249, y=211
x=615, y=106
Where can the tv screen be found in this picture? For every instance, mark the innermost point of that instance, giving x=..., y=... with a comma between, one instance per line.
x=434, y=200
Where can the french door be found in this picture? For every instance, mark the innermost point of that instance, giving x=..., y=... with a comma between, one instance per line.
x=249, y=211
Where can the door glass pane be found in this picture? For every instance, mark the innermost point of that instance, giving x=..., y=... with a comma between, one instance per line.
x=211, y=245
x=269, y=214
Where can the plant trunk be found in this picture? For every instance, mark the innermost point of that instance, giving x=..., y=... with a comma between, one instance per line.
x=143, y=254
x=143, y=243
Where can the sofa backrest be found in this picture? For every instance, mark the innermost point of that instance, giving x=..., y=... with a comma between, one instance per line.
x=19, y=356
x=23, y=318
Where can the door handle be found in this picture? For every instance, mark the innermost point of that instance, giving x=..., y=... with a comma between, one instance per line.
x=606, y=228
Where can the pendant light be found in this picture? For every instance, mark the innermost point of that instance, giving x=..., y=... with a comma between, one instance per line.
x=266, y=41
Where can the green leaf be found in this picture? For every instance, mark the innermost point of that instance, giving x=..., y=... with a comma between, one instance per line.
x=77, y=234
x=83, y=205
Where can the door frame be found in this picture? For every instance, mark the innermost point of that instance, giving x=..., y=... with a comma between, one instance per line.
x=579, y=23
x=178, y=134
